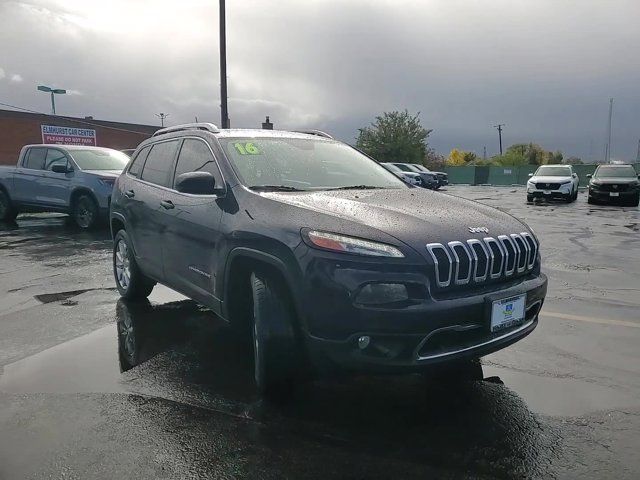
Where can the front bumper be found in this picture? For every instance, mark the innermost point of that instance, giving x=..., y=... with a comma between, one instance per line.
x=563, y=192
x=446, y=328
x=605, y=196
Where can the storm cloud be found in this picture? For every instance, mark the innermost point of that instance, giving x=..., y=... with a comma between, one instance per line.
x=545, y=68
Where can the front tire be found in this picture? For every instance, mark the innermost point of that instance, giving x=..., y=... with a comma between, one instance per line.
x=8, y=213
x=529, y=198
x=635, y=201
x=275, y=350
x=85, y=211
x=131, y=282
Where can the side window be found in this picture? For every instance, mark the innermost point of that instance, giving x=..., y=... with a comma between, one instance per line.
x=138, y=162
x=157, y=169
x=35, y=158
x=54, y=157
x=195, y=156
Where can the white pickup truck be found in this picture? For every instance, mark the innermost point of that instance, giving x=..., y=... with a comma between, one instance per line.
x=61, y=178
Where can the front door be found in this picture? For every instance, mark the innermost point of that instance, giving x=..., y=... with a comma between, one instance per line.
x=193, y=232
x=55, y=188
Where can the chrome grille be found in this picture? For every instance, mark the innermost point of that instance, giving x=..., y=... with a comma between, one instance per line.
x=476, y=261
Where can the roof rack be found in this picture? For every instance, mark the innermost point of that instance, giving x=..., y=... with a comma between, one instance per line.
x=319, y=133
x=209, y=127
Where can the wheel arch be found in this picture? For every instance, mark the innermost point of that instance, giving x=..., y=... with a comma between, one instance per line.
x=241, y=262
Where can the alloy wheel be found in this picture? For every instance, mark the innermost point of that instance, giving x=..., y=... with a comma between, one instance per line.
x=123, y=268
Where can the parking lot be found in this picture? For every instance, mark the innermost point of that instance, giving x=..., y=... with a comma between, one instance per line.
x=91, y=386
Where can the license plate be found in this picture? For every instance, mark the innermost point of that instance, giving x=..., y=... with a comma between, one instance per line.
x=507, y=312
x=614, y=194
x=547, y=192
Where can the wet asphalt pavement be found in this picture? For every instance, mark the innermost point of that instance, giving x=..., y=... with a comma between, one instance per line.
x=93, y=387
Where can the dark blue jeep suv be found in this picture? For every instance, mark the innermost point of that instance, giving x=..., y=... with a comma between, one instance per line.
x=320, y=255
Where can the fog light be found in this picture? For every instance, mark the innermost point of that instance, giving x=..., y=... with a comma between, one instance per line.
x=363, y=342
x=381, y=293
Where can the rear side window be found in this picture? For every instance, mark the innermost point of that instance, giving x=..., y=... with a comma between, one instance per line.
x=35, y=158
x=195, y=156
x=157, y=168
x=138, y=162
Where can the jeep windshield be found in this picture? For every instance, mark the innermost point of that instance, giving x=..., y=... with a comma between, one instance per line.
x=301, y=164
x=553, y=172
x=100, y=159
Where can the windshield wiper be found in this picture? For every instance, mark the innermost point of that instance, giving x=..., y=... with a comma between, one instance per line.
x=356, y=187
x=275, y=188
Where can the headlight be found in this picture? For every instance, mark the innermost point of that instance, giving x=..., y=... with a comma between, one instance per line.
x=345, y=244
x=530, y=183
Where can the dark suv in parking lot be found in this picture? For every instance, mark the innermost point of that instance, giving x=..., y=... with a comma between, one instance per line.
x=324, y=259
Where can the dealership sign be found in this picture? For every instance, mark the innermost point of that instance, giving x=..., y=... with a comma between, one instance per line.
x=68, y=135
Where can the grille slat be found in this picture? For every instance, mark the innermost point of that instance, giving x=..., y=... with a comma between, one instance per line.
x=477, y=261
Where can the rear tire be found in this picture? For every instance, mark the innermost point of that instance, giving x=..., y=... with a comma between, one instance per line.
x=131, y=282
x=275, y=351
x=8, y=212
x=85, y=211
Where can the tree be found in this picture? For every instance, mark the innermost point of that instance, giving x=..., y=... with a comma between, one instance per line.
x=573, y=161
x=433, y=160
x=395, y=137
x=456, y=158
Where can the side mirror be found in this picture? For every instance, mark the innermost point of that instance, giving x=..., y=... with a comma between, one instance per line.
x=197, y=183
x=59, y=168
x=574, y=175
x=588, y=175
x=531, y=174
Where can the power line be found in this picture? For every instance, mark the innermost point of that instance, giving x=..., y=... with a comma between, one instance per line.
x=74, y=120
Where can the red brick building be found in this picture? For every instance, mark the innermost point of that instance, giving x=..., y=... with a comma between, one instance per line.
x=20, y=128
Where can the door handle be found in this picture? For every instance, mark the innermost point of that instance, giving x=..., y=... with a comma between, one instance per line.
x=167, y=204
x=129, y=194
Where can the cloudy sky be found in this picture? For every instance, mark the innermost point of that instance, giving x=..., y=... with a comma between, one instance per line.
x=545, y=68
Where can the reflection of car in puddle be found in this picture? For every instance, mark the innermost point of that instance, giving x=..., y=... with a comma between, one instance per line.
x=181, y=353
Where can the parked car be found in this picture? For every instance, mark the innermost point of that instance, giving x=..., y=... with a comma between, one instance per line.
x=322, y=257
x=429, y=179
x=614, y=183
x=412, y=178
x=128, y=151
x=553, y=181
x=441, y=177
x=61, y=178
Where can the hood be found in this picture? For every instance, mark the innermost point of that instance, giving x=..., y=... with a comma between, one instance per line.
x=104, y=173
x=548, y=179
x=414, y=216
x=610, y=180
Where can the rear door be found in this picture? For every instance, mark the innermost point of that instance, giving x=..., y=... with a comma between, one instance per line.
x=193, y=232
x=145, y=214
x=29, y=176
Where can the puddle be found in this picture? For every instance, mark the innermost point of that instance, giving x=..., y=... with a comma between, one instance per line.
x=564, y=397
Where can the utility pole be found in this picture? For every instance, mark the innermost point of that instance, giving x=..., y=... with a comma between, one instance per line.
x=499, y=127
x=224, y=112
x=484, y=152
x=607, y=158
x=162, y=116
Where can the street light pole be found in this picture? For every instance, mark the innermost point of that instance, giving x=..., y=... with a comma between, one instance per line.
x=53, y=92
x=162, y=116
x=224, y=112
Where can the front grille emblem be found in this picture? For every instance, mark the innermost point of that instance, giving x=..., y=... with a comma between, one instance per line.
x=615, y=186
x=478, y=229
